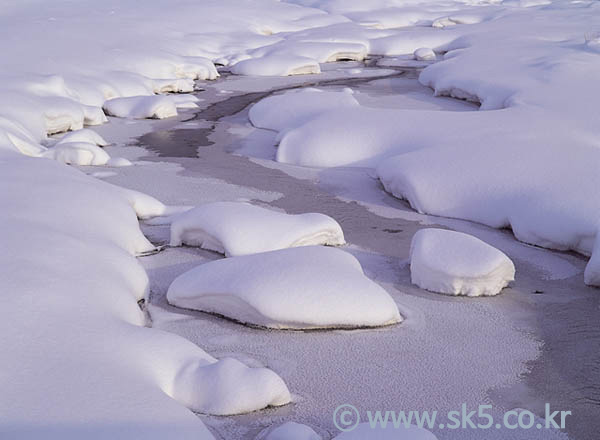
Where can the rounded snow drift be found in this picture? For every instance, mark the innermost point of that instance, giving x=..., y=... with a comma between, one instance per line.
x=300, y=288
x=237, y=228
x=458, y=264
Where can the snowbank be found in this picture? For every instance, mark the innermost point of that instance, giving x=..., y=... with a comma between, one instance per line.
x=235, y=229
x=80, y=356
x=300, y=288
x=458, y=264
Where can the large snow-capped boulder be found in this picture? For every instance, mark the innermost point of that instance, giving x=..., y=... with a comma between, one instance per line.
x=237, y=228
x=300, y=288
x=78, y=153
x=276, y=65
x=141, y=107
x=292, y=109
x=458, y=264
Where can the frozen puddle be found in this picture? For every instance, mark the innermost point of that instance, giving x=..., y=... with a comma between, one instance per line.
x=433, y=360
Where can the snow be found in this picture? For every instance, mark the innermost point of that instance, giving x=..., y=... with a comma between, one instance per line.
x=527, y=161
x=86, y=360
x=78, y=153
x=83, y=135
x=424, y=54
x=458, y=264
x=237, y=228
x=300, y=288
x=276, y=65
x=292, y=431
x=140, y=107
x=292, y=109
x=365, y=431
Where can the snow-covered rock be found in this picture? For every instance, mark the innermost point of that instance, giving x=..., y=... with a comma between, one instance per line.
x=276, y=65
x=424, y=54
x=227, y=387
x=300, y=288
x=458, y=264
x=291, y=431
x=289, y=110
x=78, y=153
x=141, y=107
x=364, y=431
x=237, y=228
x=83, y=135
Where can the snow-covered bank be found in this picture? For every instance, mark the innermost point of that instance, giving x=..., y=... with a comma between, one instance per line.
x=78, y=361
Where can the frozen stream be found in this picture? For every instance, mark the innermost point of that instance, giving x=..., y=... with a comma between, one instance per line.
x=514, y=350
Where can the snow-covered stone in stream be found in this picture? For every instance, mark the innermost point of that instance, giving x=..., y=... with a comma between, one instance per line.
x=83, y=135
x=424, y=54
x=291, y=431
x=228, y=387
x=455, y=263
x=364, y=431
x=118, y=162
x=78, y=153
x=591, y=276
x=287, y=110
x=276, y=65
x=237, y=228
x=184, y=101
x=141, y=107
x=301, y=288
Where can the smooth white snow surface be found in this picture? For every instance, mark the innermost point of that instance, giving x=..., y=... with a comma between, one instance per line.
x=141, y=107
x=237, y=228
x=364, y=431
x=291, y=109
x=455, y=263
x=291, y=431
x=299, y=288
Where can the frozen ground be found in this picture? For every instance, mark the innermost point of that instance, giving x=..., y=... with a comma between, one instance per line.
x=371, y=369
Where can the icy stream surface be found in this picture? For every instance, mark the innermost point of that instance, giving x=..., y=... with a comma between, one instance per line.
x=510, y=351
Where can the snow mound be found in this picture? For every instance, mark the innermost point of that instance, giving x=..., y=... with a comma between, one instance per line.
x=141, y=107
x=591, y=276
x=78, y=153
x=424, y=54
x=235, y=228
x=458, y=264
x=291, y=431
x=228, y=387
x=300, y=288
x=119, y=162
x=364, y=431
x=280, y=112
x=276, y=65
x=83, y=135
